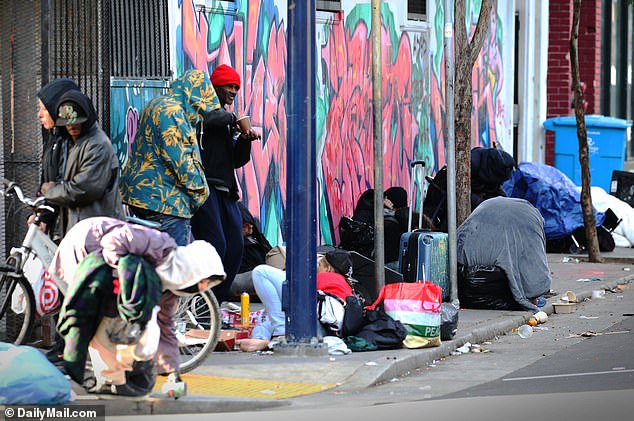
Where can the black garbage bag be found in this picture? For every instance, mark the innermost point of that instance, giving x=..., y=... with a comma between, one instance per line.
x=356, y=236
x=485, y=287
x=448, y=321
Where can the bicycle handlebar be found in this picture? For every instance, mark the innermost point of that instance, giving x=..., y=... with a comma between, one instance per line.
x=37, y=203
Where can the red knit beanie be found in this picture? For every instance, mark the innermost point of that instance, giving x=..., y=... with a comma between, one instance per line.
x=225, y=75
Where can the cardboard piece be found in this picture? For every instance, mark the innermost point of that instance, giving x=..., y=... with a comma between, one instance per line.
x=227, y=340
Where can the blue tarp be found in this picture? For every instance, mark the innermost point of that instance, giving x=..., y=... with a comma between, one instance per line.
x=28, y=378
x=553, y=194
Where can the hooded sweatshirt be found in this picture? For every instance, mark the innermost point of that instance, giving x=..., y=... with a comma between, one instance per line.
x=90, y=184
x=53, y=141
x=164, y=173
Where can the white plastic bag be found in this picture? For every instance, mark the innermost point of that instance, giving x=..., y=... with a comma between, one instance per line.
x=110, y=361
x=330, y=311
x=45, y=289
x=148, y=343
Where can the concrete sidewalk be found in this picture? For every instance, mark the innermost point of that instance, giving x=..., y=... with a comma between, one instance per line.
x=269, y=375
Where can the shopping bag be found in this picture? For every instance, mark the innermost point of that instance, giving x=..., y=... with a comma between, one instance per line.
x=416, y=305
x=48, y=297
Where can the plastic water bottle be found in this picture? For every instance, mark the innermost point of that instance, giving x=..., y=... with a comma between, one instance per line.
x=244, y=308
x=525, y=331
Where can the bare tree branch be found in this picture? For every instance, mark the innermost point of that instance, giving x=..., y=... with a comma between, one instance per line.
x=481, y=30
x=584, y=160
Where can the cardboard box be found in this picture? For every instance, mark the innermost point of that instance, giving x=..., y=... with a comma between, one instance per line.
x=227, y=340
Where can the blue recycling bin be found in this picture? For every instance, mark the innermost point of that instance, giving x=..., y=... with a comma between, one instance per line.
x=606, y=147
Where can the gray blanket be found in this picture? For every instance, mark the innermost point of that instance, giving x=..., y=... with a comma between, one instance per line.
x=508, y=233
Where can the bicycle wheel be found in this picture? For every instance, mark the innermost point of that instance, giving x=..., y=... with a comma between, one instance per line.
x=198, y=324
x=17, y=309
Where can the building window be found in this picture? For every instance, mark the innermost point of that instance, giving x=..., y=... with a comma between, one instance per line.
x=417, y=10
x=140, y=39
x=329, y=5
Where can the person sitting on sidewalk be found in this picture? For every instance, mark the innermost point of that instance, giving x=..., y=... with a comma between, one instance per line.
x=501, y=255
x=254, y=253
x=333, y=269
x=184, y=270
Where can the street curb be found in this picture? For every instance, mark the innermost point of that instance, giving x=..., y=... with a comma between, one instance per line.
x=391, y=367
x=609, y=259
x=191, y=404
x=372, y=375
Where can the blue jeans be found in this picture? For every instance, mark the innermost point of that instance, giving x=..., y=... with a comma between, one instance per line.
x=178, y=228
x=268, y=281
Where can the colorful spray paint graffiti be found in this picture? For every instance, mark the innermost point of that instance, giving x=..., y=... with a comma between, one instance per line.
x=251, y=36
x=489, y=116
x=127, y=99
x=346, y=142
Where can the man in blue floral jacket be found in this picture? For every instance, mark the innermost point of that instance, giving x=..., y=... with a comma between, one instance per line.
x=164, y=181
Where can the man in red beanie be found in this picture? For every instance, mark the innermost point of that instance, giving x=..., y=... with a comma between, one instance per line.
x=226, y=82
x=224, y=147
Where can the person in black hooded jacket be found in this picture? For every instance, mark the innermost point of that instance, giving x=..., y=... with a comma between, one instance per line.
x=256, y=246
x=48, y=98
x=90, y=167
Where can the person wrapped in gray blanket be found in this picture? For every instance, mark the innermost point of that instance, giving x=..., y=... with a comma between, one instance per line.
x=502, y=256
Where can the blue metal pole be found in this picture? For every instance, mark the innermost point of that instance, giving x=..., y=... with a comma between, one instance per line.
x=299, y=294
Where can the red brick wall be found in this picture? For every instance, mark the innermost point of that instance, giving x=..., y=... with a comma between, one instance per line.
x=559, y=79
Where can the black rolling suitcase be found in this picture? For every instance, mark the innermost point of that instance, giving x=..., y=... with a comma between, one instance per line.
x=424, y=253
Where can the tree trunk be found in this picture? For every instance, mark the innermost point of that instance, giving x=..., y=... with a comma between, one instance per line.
x=586, y=199
x=466, y=54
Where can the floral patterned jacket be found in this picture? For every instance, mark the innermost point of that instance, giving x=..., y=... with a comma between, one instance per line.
x=164, y=173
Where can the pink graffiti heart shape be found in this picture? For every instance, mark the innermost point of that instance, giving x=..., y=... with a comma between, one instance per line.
x=131, y=125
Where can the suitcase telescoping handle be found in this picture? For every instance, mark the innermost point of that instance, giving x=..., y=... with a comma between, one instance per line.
x=415, y=164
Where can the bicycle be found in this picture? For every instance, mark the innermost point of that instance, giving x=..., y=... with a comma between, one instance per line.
x=20, y=271
x=198, y=319
x=198, y=324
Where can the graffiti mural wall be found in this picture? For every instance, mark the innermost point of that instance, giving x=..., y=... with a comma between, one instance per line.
x=492, y=75
x=251, y=37
x=127, y=99
x=344, y=97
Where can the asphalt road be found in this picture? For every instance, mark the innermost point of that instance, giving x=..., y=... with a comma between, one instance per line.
x=602, y=362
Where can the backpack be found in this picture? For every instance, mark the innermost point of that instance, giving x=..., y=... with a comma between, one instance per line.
x=382, y=330
x=356, y=236
x=353, y=320
x=330, y=312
